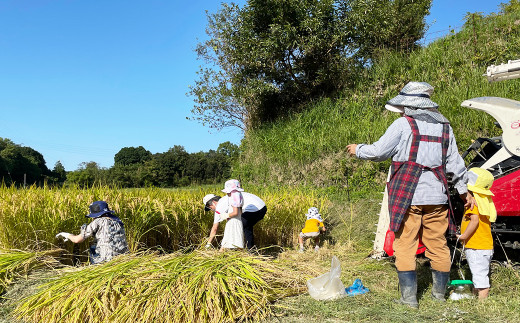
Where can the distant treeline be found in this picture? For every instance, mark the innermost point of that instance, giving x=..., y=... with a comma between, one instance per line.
x=133, y=167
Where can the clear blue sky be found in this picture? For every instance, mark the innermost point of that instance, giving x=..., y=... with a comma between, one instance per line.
x=79, y=80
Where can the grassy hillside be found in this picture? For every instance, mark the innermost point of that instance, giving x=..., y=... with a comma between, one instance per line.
x=309, y=148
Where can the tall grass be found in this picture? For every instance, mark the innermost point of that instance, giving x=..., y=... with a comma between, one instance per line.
x=309, y=148
x=182, y=287
x=153, y=217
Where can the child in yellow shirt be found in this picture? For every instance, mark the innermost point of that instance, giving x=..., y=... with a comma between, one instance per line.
x=313, y=226
x=476, y=229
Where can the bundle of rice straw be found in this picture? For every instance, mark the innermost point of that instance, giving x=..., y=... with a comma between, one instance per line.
x=200, y=286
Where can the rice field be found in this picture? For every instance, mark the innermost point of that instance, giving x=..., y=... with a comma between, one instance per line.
x=154, y=218
x=166, y=276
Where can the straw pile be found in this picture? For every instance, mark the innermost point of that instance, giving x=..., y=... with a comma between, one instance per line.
x=15, y=264
x=201, y=286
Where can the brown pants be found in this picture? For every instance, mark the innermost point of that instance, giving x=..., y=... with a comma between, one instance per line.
x=431, y=222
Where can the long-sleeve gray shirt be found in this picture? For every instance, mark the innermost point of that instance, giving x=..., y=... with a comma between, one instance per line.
x=396, y=143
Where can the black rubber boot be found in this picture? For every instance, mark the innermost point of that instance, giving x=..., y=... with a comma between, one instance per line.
x=440, y=280
x=408, y=286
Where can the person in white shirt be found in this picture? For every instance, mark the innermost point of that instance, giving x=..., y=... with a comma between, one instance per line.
x=253, y=211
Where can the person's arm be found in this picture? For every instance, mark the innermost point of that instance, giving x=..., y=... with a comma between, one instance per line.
x=212, y=233
x=455, y=165
x=76, y=238
x=385, y=147
x=471, y=228
x=236, y=211
x=69, y=236
x=469, y=200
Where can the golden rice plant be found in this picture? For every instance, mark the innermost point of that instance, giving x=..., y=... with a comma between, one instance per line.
x=286, y=209
x=201, y=286
x=153, y=217
x=15, y=264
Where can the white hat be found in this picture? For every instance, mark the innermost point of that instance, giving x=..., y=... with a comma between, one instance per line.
x=232, y=185
x=314, y=213
x=414, y=95
x=207, y=199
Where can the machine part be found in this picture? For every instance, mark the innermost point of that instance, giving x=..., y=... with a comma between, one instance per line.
x=502, y=72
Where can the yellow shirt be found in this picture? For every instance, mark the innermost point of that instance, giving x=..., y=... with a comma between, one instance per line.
x=312, y=225
x=481, y=238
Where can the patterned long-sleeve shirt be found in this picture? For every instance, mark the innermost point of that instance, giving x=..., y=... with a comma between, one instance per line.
x=110, y=239
x=396, y=143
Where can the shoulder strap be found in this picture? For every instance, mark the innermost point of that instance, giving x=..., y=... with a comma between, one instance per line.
x=416, y=137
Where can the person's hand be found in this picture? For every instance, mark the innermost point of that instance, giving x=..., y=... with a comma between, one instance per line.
x=224, y=216
x=209, y=246
x=352, y=149
x=63, y=235
x=469, y=200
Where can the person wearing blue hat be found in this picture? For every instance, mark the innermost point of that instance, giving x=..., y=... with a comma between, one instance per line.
x=106, y=228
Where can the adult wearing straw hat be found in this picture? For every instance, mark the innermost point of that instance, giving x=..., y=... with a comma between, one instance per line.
x=253, y=211
x=108, y=231
x=423, y=150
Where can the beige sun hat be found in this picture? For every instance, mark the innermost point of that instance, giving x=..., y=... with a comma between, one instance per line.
x=413, y=95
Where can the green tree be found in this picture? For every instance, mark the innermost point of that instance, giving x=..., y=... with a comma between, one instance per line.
x=132, y=155
x=168, y=168
x=87, y=175
x=269, y=58
x=21, y=164
x=228, y=149
x=59, y=172
x=382, y=25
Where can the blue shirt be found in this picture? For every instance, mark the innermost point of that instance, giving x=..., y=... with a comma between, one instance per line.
x=396, y=143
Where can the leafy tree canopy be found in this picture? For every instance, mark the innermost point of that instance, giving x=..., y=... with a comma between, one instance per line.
x=131, y=155
x=19, y=163
x=270, y=57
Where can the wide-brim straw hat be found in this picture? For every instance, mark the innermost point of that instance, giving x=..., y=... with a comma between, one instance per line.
x=413, y=95
x=480, y=181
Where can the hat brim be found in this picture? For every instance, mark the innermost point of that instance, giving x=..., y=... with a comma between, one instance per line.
x=394, y=108
x=98, y=214
x=480, y=190
x=412, y=102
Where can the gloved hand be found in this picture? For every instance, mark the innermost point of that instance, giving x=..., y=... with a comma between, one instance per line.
x=224, y=216
x=64, y=235
x=209, y=246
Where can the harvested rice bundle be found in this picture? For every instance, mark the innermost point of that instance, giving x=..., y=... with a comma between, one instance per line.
x=17, y=263
x=202, y=286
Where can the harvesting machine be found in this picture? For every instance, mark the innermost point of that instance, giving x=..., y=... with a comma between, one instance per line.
x=500, y=155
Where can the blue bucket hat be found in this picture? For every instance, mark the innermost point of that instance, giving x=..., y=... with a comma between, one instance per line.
x=98, y=209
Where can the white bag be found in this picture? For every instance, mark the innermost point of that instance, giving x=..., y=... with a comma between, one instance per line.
x=328, y=285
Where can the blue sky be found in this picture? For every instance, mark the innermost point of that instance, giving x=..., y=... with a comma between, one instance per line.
x=79, y=80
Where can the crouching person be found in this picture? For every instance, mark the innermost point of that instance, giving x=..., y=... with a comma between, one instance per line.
x=108, y=231
x=313, y=227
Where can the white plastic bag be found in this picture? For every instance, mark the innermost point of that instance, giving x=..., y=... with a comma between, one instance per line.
x=328, y=285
